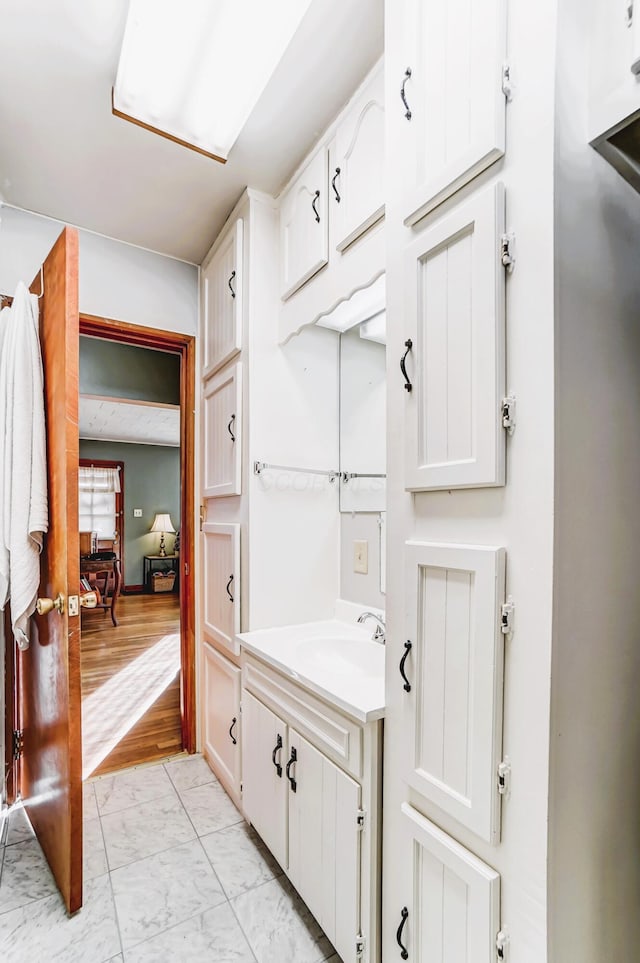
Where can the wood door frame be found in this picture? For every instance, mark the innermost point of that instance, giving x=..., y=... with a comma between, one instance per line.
x=183, y=345
x=112, y=463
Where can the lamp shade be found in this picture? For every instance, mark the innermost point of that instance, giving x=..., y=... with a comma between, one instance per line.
x=162, y=523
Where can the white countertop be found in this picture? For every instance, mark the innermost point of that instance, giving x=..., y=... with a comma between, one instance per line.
x=336, y=659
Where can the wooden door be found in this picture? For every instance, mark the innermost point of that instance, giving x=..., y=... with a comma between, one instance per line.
x=455, y=312
x=264, y=786
x=453, y=597
x=221, y=717
x=49, y=697
x=222, y=434
x=448, y=124
x=304, y=233
x=356, y=197
x=222, y=291
x=221, y=583
x=448, y=907
x=324, y=843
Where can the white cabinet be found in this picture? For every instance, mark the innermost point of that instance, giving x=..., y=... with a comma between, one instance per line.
x=221, y=717
x=356, y=197
x=264, y=789
x=222, y=294
x=454, y=667
x=449, y=112
x=455, y=357
x=222, y=434
x=449, y=908
x=221, y=582
x=304, y=229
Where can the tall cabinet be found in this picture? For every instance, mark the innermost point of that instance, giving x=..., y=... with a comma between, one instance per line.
x=470, y=506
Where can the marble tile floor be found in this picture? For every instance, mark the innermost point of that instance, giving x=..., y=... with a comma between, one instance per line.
x=171, y=873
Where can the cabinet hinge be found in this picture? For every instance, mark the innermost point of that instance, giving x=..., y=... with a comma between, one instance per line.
x=502, y=945
x=508, y=251
x=506, y=616
x=507, y=83
x=360, y=818
x=504, y=776
x=360, y=946
x=509, y=413
x=18, y=743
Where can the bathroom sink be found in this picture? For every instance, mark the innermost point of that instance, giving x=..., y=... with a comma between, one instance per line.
x=341, y=656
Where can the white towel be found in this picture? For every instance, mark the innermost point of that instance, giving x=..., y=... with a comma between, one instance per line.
x=23, y=490
x=5, y=315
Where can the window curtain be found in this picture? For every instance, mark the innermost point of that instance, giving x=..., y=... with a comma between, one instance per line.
x=99, y=479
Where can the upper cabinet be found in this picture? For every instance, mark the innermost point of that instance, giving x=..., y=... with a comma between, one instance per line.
x=356, y=197
x=222, y=429
x=222, y=295
x=449, y=62
x=304, y=233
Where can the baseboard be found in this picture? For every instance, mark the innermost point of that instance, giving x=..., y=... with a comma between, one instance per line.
x=133, y=590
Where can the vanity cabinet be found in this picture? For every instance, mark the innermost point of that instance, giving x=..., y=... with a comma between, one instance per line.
x=321, y=820
x=223, y=295
x=221, y=718
x=448, y=114
x=222, y=433
x=304, y=229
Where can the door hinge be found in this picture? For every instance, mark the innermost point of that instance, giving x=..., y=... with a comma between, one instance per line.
x=629, y=13
x=504, y=776
x=186, y=569
x=506, y=616
x=18, y=743
x=509, y=413
x=507, y=83
x=508, y=251
x=203, y=516
x=502, y=945
x=360, y=818
x=360, y=946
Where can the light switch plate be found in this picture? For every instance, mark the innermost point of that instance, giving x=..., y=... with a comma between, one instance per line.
x=361, y=557
x=137, y=513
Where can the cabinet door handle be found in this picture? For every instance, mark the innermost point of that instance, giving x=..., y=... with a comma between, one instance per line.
x=407, y=109
x=316, y=198
x=231, y=422
x=231, y=735
x=403, y=365
x=276, y=749
x=232, y=278
x=333, y=184
x=294, y=758
x=405, y=915
x=407, y=649
x=229, y=584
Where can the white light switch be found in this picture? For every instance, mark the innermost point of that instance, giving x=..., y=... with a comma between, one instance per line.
x=361, y=557
x=137, y=513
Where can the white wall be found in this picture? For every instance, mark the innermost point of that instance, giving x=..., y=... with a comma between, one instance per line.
x=354, y=586
x=117, y=280
x=594, y=808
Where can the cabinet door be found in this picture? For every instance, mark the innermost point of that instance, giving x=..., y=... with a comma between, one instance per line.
x=450, y=118
x=222, y=428
x=453, y=596
x=324, y=843
x=222, y=328
x=221, y=717
x=221, y=582
x=455, y=298
x=304, y=234
x=356, y=197
x=449, y=907
x=264, y=786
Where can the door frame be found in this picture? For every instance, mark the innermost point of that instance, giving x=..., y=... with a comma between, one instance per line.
x=183, y=345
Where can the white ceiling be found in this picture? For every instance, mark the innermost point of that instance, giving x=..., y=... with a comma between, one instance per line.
x=63, y=153
x=135, y=422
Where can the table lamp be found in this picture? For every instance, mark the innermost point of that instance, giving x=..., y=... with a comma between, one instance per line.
x=162, y=524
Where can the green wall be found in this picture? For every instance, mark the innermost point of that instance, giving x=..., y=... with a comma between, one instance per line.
x=125, y=371
x=152, y=483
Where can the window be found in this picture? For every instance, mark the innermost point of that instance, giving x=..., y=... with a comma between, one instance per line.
x=99, y=497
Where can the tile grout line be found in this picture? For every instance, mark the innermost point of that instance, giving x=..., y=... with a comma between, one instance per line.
x=113, y=895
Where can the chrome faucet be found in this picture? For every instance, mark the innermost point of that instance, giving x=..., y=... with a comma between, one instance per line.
x=379, y=634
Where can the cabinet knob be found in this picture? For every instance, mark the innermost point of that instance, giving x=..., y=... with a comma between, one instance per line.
x=229, y=584
x=316, y=198
x=333, y=184
x=230, y=429
x=407, y=649
x=276, y=749
x=404, y=914
x=403, y=365
x=231, y=735
x=407, y=76
x=292, y=760
x=229, y=282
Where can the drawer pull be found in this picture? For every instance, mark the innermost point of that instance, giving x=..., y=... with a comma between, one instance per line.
x=407, y=649
x=294, y=758
x=229, y=584
x=231, y=422
x=407, y=76
x=403, y=366
x=333, y=184
x=231, y=735
x=277, y=748
x=229, y=282
x=405, y=915
x=316, y=198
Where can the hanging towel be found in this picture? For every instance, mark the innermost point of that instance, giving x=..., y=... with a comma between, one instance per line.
x=23, y=489
x=5, y=315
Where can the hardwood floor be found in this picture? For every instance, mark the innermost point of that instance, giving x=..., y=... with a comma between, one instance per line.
x=131, y=683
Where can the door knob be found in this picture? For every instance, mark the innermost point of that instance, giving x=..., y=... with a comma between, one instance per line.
x=44, y=606
x=89, y=600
